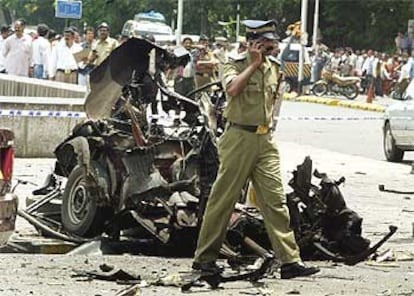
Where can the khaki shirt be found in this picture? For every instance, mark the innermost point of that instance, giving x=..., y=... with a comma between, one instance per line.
x=254, y=105
x=104, y=49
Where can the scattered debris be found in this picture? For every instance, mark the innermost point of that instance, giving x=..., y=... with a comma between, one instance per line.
x=293, y=292
x=397, y=256
x=382, y=264
x=112, y=275
x=387, y=292
x=381, y=187
x=133, y=290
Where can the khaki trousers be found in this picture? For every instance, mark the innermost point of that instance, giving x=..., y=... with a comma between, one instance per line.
x=244, y=154
x=71, y=77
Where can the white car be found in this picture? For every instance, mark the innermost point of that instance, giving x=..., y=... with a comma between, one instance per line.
x=399, y=127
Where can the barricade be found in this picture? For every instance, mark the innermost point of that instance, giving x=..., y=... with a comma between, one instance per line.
x=39, y=124
x=23, y=103
x=11, y=85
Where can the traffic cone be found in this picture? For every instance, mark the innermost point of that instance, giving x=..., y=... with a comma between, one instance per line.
x=370, y=93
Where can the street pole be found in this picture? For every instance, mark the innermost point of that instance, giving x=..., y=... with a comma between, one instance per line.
x=179, y=22
x=303, y=20
x=315, y=24
x=238, y=22
x=173, y=20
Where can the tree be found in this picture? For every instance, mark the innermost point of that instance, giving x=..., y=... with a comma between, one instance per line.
x=356, y=23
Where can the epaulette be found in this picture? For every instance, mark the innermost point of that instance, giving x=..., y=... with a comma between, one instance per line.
x=274, y=60
x=237, y=56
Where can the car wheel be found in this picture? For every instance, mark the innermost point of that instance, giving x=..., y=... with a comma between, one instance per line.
x=391, y=151
x=319, y=89
x=81, y=214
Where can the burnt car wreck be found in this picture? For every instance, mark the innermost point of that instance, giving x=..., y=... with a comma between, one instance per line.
x=131, y=174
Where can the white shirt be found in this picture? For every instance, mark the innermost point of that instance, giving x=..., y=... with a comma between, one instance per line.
x=62, y=57
x=359, y=63
x=405, y=72
x=368, y=65
x=18, y=54
x=1, y=53
x=41, y=52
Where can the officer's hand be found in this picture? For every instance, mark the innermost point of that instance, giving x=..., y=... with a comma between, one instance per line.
x=255, y=50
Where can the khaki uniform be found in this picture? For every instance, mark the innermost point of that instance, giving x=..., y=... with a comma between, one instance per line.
x=245, y=154
x=104, y=49
x=204, y=69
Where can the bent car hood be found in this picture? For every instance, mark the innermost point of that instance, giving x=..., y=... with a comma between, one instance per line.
x=108, y=79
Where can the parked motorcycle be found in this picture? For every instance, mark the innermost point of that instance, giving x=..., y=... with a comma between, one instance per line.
x=333, y=84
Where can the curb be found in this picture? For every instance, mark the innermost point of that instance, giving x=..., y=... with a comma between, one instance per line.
x=334, y=102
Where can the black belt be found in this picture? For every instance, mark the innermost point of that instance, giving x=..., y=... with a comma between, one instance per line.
x=203, y=74
x=67, y=71
x=257, y=129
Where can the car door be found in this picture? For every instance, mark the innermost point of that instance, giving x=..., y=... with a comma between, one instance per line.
x=396, y=115
x=409, y=122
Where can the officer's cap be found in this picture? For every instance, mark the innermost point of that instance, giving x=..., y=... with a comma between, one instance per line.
x=103, y=25
x=256, y=29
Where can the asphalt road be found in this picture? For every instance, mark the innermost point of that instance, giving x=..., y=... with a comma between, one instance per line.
x=354, y=137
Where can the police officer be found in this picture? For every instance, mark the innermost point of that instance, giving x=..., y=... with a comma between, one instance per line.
x=103, y=46
x=246, y=150
x=204, y=61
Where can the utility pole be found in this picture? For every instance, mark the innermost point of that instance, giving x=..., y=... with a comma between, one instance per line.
x=238, y=22
x=173, y=20
x=303, y=38
x=179, y=30
x=315, y=24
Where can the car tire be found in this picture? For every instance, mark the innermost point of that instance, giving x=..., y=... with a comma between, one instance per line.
x=81, y=214
x=391, y=151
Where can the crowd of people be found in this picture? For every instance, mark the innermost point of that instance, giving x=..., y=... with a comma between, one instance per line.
x=67, y=57
x=384, y=72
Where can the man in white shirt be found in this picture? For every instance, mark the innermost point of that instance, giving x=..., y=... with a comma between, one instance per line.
x=4, y=33
x=41, y=53
x=62, y=64
x=17, y=51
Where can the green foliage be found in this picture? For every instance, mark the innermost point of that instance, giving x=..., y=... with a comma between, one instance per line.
x=356, y=23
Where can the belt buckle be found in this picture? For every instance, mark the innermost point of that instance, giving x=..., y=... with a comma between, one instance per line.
x=262, y=129
x=67, y=71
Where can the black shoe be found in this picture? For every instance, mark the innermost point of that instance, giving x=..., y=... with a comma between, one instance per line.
x=291, y=270
x=208, y=267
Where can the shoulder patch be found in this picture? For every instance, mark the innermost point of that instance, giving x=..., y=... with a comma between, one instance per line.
x=237, y=57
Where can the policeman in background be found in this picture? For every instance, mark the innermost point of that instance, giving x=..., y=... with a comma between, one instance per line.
x=205, y=63
x=246, y=150
x=103, y=46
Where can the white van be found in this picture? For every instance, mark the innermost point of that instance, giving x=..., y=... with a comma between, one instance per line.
x=150, y=23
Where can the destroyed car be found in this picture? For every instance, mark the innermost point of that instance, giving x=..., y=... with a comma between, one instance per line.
x=129, y=167
x=136, y=174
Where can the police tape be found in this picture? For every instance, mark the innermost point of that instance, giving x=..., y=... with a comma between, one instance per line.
x=76, y=114
x=41, y=113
